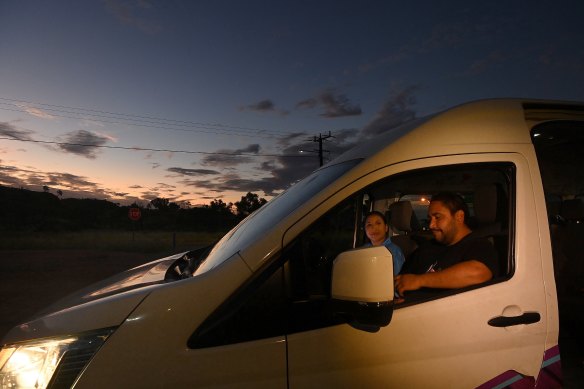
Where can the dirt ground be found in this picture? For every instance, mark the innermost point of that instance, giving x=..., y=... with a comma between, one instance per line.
x=31, y=280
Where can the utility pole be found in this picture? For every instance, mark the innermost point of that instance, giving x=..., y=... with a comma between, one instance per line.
x=320, y=150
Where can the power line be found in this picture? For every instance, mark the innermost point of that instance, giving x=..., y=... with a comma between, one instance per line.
x=137, y=120
x=148, y=149
x=201, y=130
x=182, y=122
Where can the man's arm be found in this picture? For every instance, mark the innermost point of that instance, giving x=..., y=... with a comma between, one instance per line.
x=458, y=276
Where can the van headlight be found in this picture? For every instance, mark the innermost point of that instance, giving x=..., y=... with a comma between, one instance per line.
x=35, y=364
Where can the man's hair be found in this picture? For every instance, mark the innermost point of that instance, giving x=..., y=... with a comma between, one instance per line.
x=453, y=202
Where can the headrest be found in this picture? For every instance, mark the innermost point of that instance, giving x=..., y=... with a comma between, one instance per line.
x=485, y=204
x=553, y=206
x=401, y=215
x=572, y=209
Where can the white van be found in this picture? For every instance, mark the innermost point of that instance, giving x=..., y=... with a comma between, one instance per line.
x=288, y=299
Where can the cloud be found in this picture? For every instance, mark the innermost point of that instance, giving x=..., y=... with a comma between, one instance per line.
x=87, y=123
x=39, y=113
x=446, y=35
x=253, y=148
x=273, y=174
x=307, y=104
x=163, y=186
x=192, y=172
x=74, y=186
x=8, y=130
x=394, y=112
x=334, y=104
x=71, y=181
x=133, y=14
x=150, y=195
x=84, y=143
x=345, y=135
x=232, y=182
x=401, y=55
x=230, y=158
x=264, y=106
x=71, y=184
x=466, y=29
x=292, y=137
x=338, y=105
x=482, y=65
x=9, y=175
x=279, y=172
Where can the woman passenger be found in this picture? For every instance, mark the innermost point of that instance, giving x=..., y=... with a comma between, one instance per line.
x=377, y=231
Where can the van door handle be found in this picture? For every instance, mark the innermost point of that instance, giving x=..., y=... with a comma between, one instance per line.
x=508, y=321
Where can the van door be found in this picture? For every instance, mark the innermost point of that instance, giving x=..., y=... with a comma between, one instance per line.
x=559, y=145
x=459, y=338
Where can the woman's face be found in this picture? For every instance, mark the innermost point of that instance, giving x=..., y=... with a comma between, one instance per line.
x=376, y=229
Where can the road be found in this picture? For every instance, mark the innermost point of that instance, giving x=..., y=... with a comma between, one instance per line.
x=32, y=279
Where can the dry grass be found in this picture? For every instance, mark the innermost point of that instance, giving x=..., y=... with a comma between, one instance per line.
x=129, y=241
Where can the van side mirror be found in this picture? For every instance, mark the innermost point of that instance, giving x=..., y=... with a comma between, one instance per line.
x=362, y=287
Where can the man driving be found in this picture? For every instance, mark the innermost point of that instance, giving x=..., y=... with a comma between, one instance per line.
x=455, y=258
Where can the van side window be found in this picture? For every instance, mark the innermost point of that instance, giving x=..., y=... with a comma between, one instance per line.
x=292, y=294
x=488, y=189
x=559, y=146
x=308, y=265
x=312, y=253
x=258, y=311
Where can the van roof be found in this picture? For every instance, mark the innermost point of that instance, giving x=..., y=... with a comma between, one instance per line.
x=489, y=123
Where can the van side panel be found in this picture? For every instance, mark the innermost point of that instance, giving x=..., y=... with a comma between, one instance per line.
x=152, y=343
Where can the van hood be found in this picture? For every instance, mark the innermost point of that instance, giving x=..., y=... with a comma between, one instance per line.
x=104, y=304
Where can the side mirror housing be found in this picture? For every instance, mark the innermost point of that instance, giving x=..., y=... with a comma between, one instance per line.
x=362, y=287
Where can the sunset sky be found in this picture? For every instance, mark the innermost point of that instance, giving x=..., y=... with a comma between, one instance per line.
x=200, y=100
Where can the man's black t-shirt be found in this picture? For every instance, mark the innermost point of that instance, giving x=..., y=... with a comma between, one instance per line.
x=435, y=256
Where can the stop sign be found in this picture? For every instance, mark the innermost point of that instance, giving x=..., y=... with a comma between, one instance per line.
x=134, y=214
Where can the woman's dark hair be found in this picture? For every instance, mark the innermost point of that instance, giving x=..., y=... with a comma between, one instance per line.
x=453, y=202
x=382, y=216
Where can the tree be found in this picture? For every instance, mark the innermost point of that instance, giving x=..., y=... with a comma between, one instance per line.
x=185, y=204
x=160, y=203
x=248, y=203
x=219, y=205
x=46, y=189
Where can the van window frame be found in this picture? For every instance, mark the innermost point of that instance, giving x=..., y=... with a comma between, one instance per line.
x=509, y=169
x=279, y=260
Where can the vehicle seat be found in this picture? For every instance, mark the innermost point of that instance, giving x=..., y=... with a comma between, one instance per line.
x=572, y=211
x=400, y=223
x=491, y=220
x=570, y=239
x=553, y=204
x=485, y=221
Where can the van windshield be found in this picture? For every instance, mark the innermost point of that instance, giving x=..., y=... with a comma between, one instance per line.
x=260, y=222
